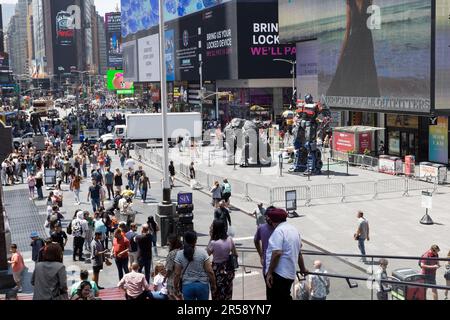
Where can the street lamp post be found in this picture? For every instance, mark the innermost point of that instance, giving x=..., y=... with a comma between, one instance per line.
x=293, y=64
x=162, y=68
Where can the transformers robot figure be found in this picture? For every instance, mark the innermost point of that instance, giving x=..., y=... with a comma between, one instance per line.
x=244, y=135
x=307, y=130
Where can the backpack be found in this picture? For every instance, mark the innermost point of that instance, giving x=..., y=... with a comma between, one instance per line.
x=301, y=292
x=69, y=228
x=77, y=230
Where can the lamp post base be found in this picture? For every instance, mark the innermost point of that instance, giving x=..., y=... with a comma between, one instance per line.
x=6, y=280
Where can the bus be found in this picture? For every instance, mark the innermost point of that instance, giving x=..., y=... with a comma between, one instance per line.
x=42, y=106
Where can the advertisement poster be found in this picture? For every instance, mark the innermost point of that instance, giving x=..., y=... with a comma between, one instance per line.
x=113, y=40
x=220, y=43
x=343, y=142
x=365, y=142
x=186, y=39
x=148, y=57
x=64, y=24
x=442, y=98
x=170, y=54
x=116, y=81
x=385, y=61
x=137, y=16
x=129, y=52
x=438, y=145
x=307, y=56
x=142, y=15
x=259, y=42
x=4, y=61
x=38, y=69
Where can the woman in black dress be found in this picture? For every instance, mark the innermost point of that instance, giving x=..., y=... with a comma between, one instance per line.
x=356, y=73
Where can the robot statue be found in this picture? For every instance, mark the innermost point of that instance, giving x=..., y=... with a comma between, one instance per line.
x=244, y=135
x=307, y=130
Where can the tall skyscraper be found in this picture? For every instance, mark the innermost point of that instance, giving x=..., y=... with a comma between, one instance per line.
x=18, y=39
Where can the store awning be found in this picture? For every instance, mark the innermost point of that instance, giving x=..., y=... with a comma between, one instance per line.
x=355, y=129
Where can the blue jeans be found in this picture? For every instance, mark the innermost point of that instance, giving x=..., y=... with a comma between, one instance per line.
x=131, y=184
x=361, y=246
x=84, y=170
x=159, y=296
x=196, y=291
x=40, y=194
x=95, y=204
x=144, y=194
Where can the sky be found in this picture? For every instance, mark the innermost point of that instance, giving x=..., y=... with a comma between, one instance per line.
x=102, y=6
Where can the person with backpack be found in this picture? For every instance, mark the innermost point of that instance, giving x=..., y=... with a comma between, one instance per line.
x=226, y=192
x=319, y=286
x=429, y=267
x=79, y=228
x=223, y=214
x=133, y=251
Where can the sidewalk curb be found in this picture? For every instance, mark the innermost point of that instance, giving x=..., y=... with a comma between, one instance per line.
x=351, y=264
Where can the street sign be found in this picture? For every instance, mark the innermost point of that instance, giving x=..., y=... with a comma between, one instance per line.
x=427, y=200
x=433, y=121
x=291, y=200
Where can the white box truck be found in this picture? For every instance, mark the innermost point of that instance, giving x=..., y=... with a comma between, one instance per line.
x=148, y=126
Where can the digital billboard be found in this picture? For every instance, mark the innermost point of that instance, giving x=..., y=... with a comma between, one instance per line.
x=38, y=68
x=142, y=15
x=148, y=57
x=373, y=55
x=113, y=40
x=438, y=141
x=115, y=81
x=442, y=97
x=65, y=21
x=220, y=42
x=259, y=42
x=129, y=53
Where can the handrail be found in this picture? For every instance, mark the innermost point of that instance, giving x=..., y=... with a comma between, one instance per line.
x=399, y=282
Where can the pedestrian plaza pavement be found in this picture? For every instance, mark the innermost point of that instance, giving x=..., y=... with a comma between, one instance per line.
x=330, y=223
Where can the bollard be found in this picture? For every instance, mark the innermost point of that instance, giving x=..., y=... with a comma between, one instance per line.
x=209, y=159
x=347, y=168
x=328, y=171
x=281, y=164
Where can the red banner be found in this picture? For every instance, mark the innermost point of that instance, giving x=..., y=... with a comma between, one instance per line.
x=343, y=141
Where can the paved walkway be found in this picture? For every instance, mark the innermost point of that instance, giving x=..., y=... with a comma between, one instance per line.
x=330, y=224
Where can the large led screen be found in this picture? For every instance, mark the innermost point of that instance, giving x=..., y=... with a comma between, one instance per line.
x=141, y=15
x=372, y=54
x=442, y=98
x=66, y=20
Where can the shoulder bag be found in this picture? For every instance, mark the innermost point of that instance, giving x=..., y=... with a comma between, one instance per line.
x=182, y=274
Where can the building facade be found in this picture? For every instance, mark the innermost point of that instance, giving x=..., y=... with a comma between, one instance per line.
x=102, y=52
x=383, y=64
x=231, y=46
x=18, y=39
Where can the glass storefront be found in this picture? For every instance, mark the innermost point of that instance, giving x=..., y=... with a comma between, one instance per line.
x=252, y=103
x=403, y=134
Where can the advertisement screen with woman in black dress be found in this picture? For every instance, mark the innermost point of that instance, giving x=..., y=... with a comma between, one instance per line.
x=372, y=54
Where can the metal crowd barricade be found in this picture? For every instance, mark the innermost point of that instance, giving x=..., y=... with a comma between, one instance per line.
x=391, y=186
x=258, y=193
x=419, y=185
x=363, y=188
x=326, y=191
x=278, y=194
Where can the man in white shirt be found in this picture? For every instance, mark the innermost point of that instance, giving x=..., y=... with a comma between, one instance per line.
x=282, y=256
x=129, y=163
x=319, y=285
x=134, y=284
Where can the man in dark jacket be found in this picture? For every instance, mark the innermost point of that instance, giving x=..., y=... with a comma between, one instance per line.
x=223, y=214
x=36, y=244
